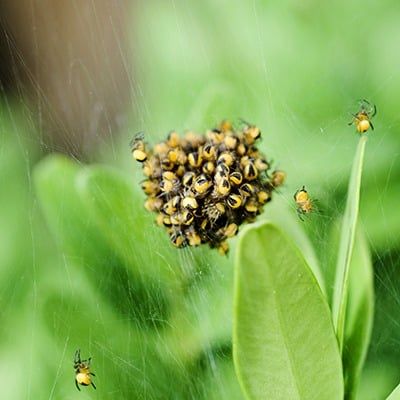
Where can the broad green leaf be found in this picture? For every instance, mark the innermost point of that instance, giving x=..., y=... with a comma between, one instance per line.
x=60, y=192
x=346, y=244
x=281, y=213
x=66, y=215
x=283, y=341
x=118, y=212
x=203, y=316
x=359, y=316
x=218, y=381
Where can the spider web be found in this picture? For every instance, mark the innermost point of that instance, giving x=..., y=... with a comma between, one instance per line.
x=297, y=72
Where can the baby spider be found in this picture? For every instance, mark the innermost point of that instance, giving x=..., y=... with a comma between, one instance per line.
x=362, y=119
x=303, y=202
x=82, y=371
x=138, y=147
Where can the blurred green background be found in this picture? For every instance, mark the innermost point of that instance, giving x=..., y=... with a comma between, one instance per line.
x=157, y=320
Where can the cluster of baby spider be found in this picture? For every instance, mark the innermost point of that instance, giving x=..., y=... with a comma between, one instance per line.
x=203, y=187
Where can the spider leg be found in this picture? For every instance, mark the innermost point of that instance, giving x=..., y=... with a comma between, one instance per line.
x=300, y=213
x=77, y=386
x=373, y=111
x=364, y=103
x=94, y=386
x=352, y=121
x=77, y=357
x=370, y=124
x=243, y=121
x=371, y=108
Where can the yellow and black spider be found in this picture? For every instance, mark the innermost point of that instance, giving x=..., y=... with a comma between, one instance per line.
x=362, y=119
x=82, y=371
x=303, y=202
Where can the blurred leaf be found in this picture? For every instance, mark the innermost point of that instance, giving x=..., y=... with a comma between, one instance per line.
x=395, y=395
x=65, y=213
x=203, y=317
x=378, y=210
x=218, y=380
x=379, y=377
x=359, y=317
x=118, y=212
x=346, y=243
x=63, y=195
x=278, y=307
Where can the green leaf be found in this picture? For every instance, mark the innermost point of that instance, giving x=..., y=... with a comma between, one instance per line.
x=360, y=307
x=281, y=213
x=283, y=341
x=203, y=316
x=118, y=212
x=79, y=224
x=359, y=315
x=395, y=395
x=65, y=213
x=346, y=244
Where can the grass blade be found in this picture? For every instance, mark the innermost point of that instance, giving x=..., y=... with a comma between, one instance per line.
x=346, y=243
x=359, y=316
